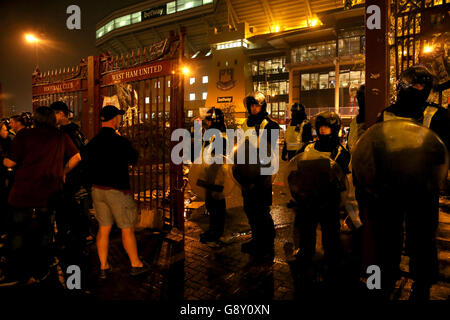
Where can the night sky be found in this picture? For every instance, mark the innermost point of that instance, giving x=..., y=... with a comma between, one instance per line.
x=62, y=47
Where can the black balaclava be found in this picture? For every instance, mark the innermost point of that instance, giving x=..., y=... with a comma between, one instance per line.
x=329, y=142
x=411, y=102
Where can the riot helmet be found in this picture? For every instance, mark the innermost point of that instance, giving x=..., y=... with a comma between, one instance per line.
x=298, y=112
x=217, y=118
x=256, y=97
x=332, y=120
x=407, y=94
x=329, y=119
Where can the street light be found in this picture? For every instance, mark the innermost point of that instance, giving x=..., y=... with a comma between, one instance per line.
x=31, y=38
x=185, y=70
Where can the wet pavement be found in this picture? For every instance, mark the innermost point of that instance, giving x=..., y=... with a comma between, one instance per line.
x=203, y=273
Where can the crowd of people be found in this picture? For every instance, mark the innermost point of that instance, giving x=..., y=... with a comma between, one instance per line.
x=49, y=171
x=50, y=176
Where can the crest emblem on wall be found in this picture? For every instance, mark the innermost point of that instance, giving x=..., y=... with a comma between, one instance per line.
x=226, y=81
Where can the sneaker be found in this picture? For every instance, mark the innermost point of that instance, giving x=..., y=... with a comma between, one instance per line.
x=103, y=274
x=135, y=271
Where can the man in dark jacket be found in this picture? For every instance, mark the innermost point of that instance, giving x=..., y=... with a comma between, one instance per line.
x=108, y=156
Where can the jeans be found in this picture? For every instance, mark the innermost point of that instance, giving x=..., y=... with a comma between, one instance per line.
x=29, y=243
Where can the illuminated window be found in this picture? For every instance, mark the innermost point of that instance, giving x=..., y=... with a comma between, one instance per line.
x=192, y=96
x=168, y=83
x=205, y=79
x=122, y=21
x=207, y=1
x=195, y=55
x=208, y=53
x=136, y=17
x=100, y=32
x=147, y=99
x=190, y=113
x=109, y=27
x=230, y=44
x=192, y=80
x=171, y=7
x=188, y=4
x=168, y=98
x=204, y=95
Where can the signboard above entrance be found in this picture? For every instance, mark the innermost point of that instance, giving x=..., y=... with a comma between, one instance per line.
x=224, y=99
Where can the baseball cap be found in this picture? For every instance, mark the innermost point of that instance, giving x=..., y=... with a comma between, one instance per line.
x=109, y=112
x=60, y=106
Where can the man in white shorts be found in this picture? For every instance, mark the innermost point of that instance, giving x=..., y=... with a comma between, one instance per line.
x=107, y=157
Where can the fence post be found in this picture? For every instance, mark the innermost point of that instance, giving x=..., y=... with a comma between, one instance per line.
x=177, y=121
x=91, y=110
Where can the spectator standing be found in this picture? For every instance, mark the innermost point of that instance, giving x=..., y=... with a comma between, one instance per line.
x=108, y=156
x=38, y=154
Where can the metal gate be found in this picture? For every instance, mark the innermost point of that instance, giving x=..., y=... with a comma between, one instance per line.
x=68, y=85
x=148, y=85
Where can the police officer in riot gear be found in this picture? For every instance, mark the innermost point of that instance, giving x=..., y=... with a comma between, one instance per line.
x=414, y=203
x=215, y=200
x=257, y=188
x=318, y=194
x=328, y=125
x=413, y=89
x=298, y=133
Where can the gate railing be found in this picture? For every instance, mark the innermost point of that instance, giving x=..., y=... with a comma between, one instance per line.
x=148, y=85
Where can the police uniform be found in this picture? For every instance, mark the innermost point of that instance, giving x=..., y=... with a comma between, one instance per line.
x=418, y=209
x=257, y=189
x=298, y=133
x=320, y=202
x=215, y=202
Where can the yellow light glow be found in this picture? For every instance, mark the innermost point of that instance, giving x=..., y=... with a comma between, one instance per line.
x=314, y=22
x=276, y=28
x=185, y=70
x=428, y=49
x=31, y=38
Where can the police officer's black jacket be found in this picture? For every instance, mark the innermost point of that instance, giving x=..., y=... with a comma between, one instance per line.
x=338, y=153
